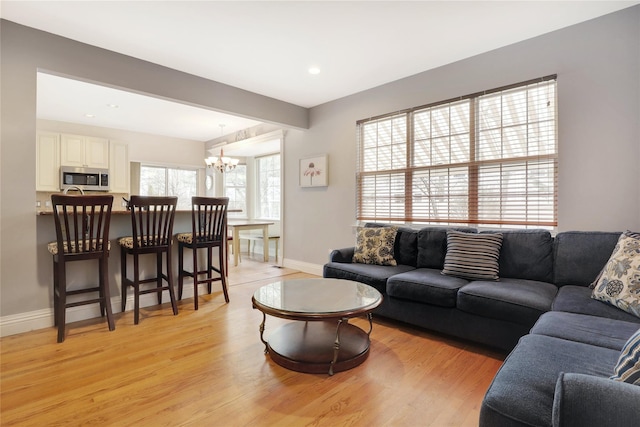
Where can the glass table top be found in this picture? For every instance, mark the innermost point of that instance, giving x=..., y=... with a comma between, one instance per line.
x=330, y=297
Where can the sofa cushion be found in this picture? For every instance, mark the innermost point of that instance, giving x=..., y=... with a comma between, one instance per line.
x=526, y=254
x=405, y=250
x=522, y=392
x=425, y=285
x=628, y=367
x=373, y=275
x=580, y=255
x=619, y=282
x=586, y=329
x=432, y=245
x=472, y=256
x=375, y=245
x=513, y=300
x=577, y=299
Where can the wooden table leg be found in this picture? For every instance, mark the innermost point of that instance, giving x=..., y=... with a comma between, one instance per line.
x=265, y=242
x=236, y=245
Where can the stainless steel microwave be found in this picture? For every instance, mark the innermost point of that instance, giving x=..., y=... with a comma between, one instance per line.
x=91, y=179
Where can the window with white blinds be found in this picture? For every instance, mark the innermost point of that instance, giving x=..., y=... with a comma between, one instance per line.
x=487, y=159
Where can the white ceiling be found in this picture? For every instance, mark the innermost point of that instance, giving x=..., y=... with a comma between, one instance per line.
x=267, y=47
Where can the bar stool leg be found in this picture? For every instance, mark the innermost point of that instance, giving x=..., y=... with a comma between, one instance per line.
x=123, y=278
x=194, y=254
x=159, y=276
x=62, y=300
x=180, y=269
x=172, y=295
x=106, y=293
x=136, y=290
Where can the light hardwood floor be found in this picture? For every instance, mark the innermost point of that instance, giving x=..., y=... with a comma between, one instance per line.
x=208, y=368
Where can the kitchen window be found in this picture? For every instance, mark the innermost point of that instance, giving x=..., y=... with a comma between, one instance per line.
x=268, y=186
x=235, y=188
x=487, y=159
x=165, y=181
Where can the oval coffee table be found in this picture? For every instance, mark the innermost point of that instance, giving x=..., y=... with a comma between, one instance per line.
x=322, y=339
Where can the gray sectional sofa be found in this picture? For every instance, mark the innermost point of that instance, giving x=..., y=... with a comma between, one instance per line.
x=564, y=345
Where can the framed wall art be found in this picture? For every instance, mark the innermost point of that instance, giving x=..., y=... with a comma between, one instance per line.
x=314, y=171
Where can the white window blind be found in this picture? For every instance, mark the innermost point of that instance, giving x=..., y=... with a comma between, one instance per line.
x=487, y=159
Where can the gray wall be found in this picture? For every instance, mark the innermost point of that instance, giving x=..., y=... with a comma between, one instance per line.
x=25, y=267
x=598, y=67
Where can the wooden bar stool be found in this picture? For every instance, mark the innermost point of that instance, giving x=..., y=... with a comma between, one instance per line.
x=208, y=230
x=82, y=233
x=152, y=226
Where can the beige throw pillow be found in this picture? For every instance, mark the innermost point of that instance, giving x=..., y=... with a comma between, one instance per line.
x=619, y=281
x=375, y=245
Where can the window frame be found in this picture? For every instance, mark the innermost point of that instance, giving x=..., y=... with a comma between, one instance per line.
x=232, y=202
x=396, y=178
x=259, y=189
x=182, y=202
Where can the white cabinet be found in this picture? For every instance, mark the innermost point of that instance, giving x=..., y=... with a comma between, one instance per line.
x=47, y=161
x=84, y=151
x=119, y=166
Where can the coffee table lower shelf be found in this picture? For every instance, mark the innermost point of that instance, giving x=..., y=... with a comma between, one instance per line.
x=309, y=346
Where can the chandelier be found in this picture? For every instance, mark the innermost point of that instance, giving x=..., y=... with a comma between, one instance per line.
x=222, y=164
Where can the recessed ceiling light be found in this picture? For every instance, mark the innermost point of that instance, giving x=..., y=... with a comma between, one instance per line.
x=113, y=105
x=314, y=70
x=91, y=116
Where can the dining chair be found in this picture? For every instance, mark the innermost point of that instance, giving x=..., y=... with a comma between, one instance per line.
x=208, y=231
x=82, y=233
x=152, y=227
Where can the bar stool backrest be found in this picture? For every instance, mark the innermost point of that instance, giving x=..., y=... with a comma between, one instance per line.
x=152, y=221
x=82, y=225
x=209, y=219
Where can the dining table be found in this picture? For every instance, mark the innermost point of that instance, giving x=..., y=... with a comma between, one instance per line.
x=237, y=225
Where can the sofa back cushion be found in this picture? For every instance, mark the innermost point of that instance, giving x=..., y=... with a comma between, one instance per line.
x=579, y=256
x=405, y=250
x=432, y=245
x=526, y=254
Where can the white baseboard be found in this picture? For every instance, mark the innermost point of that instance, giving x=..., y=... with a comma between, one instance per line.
x=40, y=319
x=305, y=267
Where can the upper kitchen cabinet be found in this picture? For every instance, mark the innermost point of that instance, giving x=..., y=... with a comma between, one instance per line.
x=84, y=151
x=119, y=166
x=47, y=161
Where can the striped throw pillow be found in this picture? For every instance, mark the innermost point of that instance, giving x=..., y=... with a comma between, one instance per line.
x=472, y=256
x=628, y=367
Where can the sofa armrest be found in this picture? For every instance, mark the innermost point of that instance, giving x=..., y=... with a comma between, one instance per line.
x=586, y=400
x=344, y=255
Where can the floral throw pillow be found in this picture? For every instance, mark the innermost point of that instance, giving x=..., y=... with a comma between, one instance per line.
x=619, y=281
x=375, y=245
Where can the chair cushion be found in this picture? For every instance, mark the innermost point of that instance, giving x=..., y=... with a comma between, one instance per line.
x=577, y=299
x=619, y=282
x=580, y=255
x=372, y=275
x=127, y=242
x=628, y=367
x=52, y=247
x=188, y=238
x=425, y=285
x=513, y=300
x=472, y=256
x=375, y=245
x=587, y=329
x=526, y=254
